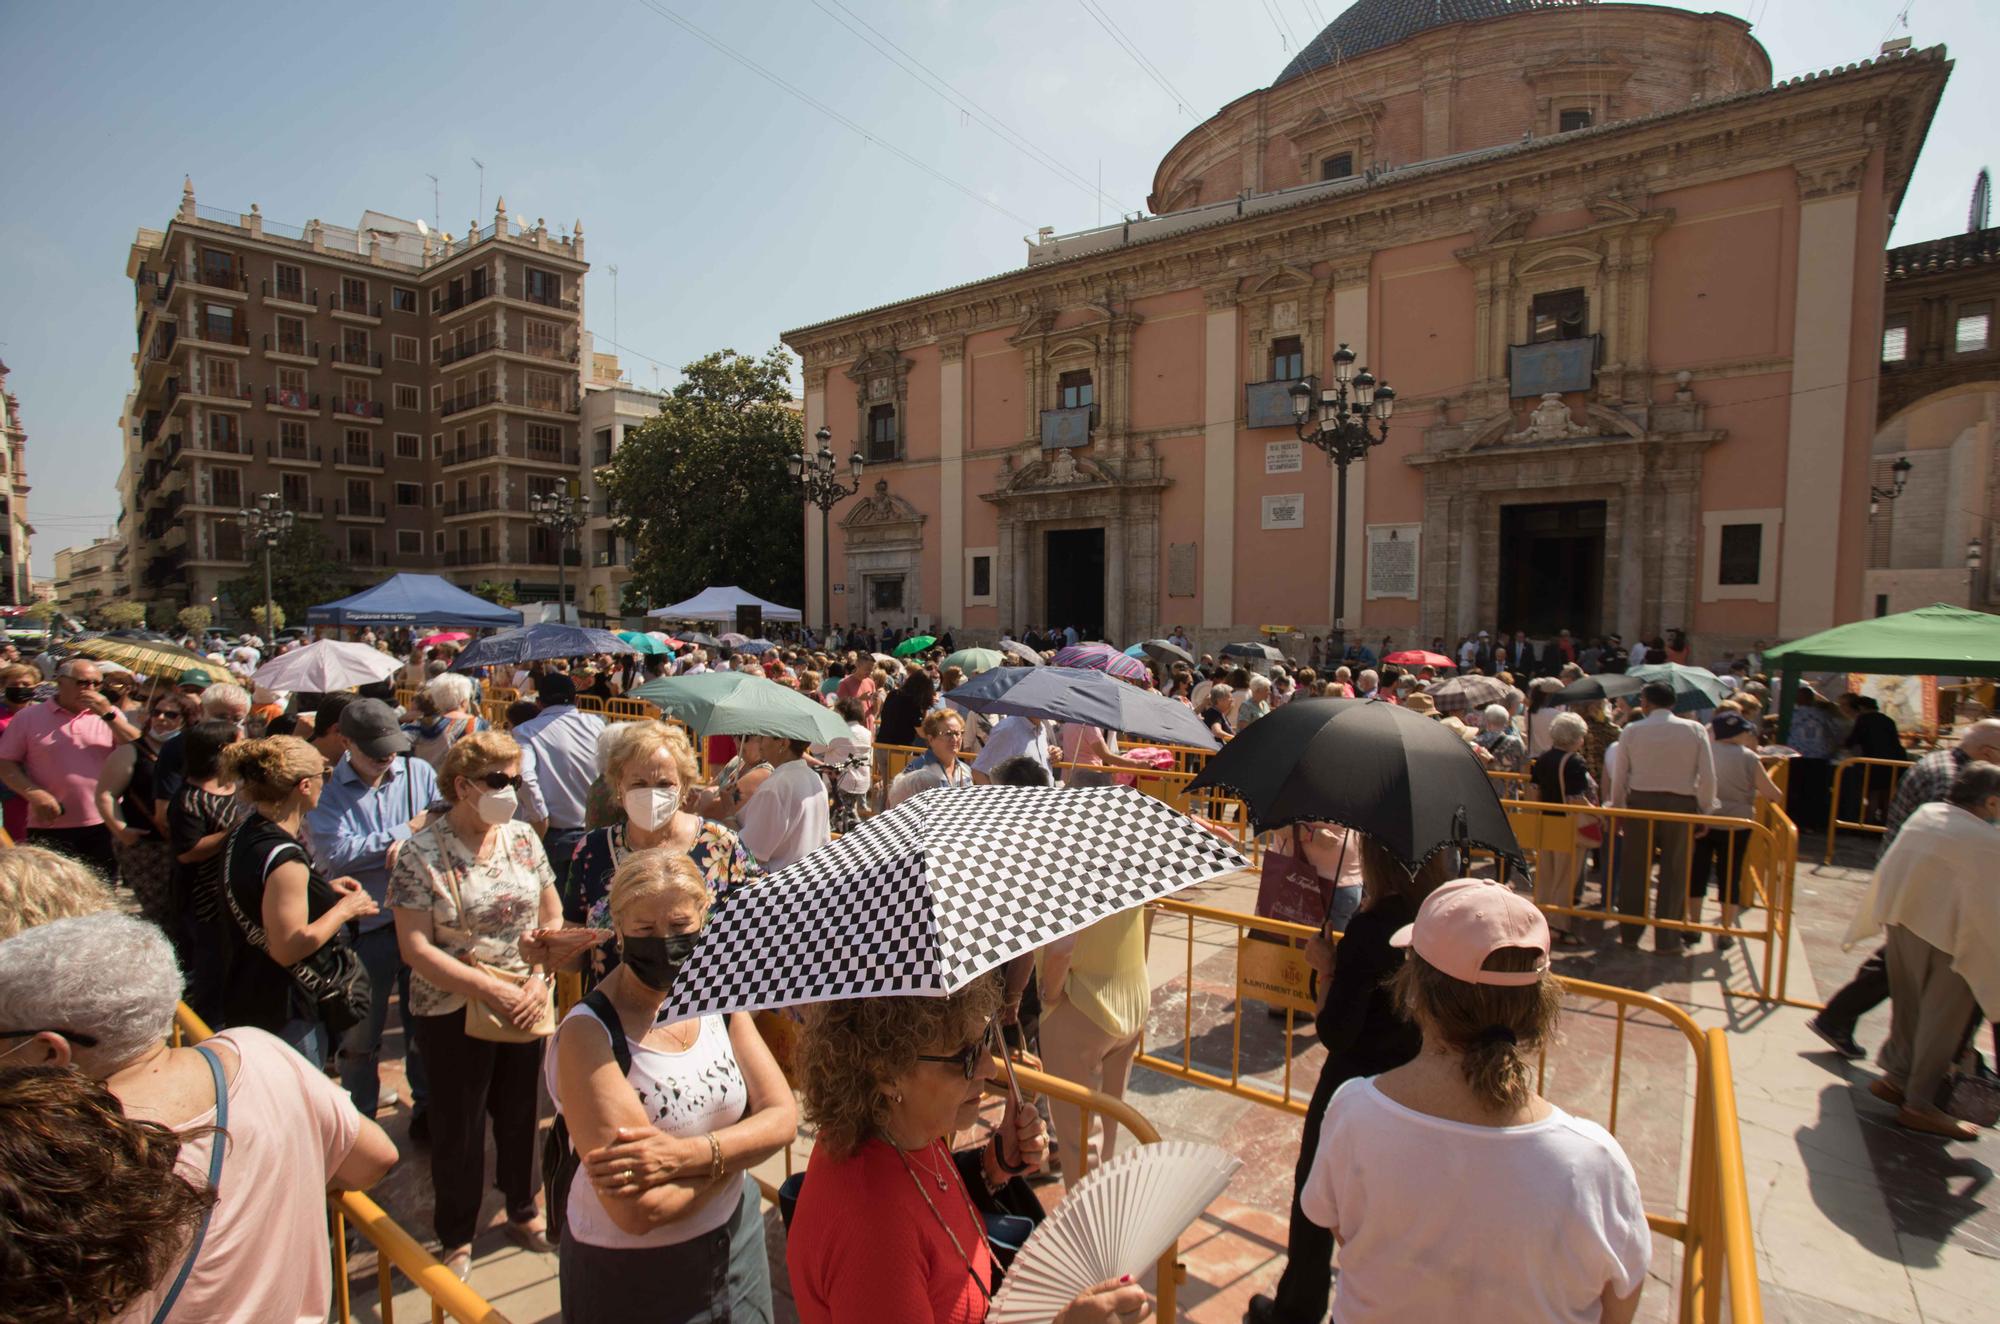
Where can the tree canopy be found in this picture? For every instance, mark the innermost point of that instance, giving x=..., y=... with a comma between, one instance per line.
x=705, y=491
x=303, y=575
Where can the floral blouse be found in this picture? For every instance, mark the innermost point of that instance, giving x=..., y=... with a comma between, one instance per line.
x=716, y=852
x=501, y=898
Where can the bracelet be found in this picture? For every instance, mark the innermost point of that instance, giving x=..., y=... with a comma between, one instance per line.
x=714, y=1159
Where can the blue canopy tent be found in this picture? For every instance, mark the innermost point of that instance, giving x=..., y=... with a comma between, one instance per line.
x=414, y=600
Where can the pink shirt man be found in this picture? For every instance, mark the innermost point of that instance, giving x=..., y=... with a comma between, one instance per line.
x=62, y=752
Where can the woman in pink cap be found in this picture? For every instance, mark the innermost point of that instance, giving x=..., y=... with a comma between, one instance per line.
x=1448, y=1181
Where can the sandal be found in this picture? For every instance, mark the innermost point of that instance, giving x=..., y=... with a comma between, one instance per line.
x=459, y=1261
x=530, y=1234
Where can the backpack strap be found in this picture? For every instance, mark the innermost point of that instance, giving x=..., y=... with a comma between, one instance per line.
x=600, y=1007
x=216, y=1145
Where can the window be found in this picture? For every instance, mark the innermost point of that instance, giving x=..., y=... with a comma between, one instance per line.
x=222, y=431
x=292, y=439
x=1569, y=121
x=545, y=441
x=409, y=494
x=602, y=455
x=1881, y=604
x=544, y=391
x=409, y=446
x=361, y=545
x=437, y=395
x=354, y=346
x=1742, y=554
x=225, y=487
x=291, y=391
x=544, y=339
x=290, y=283
x=543, y=287
x=354, y=294
x=886, y=594
x=437, y=542
x=1288, y=359
x=221, y=377
x=402, y=300
x=1074, y=391
x=292, y=335
x=405, y=348
x=437, y=494
x=360, y=496
x=410, y=542
x=1338, y=166
x=1974, y=329
x=218, y=268
x=1558, y=315
x=219, y=323
x=355, y=448
x=437, y=444
x=881, y=433
x=982, y=576
x=408, y=397
x=1896, y=341
x=356, y=391
x=296, y=490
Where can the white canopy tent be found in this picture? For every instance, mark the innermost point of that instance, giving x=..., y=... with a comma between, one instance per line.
x=719, y=603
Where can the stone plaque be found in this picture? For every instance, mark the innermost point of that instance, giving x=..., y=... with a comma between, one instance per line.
x=1392, y=560
x=1180, y=569
x=1287, y=511
x=1285, y=315
x=1283, y=457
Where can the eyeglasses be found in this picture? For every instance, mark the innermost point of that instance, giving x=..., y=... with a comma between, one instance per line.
x=966, y=1059
x=81, y=1040
x=498, y=781
x=169, y=715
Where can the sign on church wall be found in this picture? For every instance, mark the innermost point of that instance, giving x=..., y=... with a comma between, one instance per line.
x=1393, y=560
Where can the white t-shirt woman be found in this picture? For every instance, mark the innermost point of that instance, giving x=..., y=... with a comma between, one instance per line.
x=1531, y=1222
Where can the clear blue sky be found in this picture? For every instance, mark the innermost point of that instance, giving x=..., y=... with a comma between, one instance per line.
x=731, y=209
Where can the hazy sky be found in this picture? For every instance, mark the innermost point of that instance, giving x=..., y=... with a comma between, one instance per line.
x=731, y=208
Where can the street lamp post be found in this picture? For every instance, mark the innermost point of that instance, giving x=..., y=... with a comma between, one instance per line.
x=1900, y=475
x=1975, y=557
x=562, y=513
x=1343, y=432
x=817, y=475
x=265, y=524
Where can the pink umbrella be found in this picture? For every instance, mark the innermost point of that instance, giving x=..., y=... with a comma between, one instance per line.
x=1103, y=657
x=448, y=637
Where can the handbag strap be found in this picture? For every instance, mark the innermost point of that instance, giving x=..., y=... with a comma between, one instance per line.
x=217, y=1143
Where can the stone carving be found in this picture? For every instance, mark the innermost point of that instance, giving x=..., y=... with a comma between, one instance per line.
x=1683, y=387
x=1285, y=315
x=1505, y=223
x=881, y=505
x=1062, y=469
x=1551, y=421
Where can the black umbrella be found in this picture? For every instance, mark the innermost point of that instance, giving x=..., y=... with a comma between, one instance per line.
x=1257, y=651
x=699, y=639
x=1608, y=686
x=1378, y=768
x=1166, y=650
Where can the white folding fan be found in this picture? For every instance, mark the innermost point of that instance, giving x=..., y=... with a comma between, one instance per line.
x=1118, y=1220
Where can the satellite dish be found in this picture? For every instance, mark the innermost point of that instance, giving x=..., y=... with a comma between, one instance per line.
x=423, y=229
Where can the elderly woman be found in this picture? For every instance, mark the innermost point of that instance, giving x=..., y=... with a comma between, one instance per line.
x=886, y=1228
x=39, y=885
x=199, y=820
x=126, y=802
x=1560, y=777
x=292, y=1133
x=277, y=908
x=1497, y=738
x=1257, y=703
x=943, y=732
x=669, y=1128
x=650, y=772
x=1447, y=1159
x=444, y=716
x=465, y=891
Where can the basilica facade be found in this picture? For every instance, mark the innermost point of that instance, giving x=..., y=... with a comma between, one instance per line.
x=1628, y=290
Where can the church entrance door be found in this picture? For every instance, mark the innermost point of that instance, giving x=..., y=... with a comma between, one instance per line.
x=1552, y=568
x=1073, y=580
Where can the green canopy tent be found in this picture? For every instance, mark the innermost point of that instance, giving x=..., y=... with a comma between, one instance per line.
x=1938, y=640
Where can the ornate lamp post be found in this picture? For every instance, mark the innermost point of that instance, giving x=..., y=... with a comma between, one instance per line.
x=817, y=475
x=560, y=512
x=264, y=524
x=1344, y=433
x=1975, y=557
x=1900, y=472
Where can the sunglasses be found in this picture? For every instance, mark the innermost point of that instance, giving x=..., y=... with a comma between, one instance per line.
x=80, y=1040
x=497, y=781
x=169, y=715
x=966, y=1059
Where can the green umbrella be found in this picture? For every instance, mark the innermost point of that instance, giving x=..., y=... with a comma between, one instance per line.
x=972, y=661
x=916, y=643
x=735, y=703
x=1695, y=688
x=642, y=642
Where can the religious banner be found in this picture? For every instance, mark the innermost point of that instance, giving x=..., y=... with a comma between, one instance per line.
x=1392, y=560
x=1283, y=457
x=1552, y=365
x=1285, y=512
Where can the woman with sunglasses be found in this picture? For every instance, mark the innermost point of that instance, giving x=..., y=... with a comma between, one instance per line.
x=886, y=1227
x=668, y=1130
x=126, y=800
x=465, y=890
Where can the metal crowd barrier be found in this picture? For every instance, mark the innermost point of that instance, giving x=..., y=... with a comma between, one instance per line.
x=395, y=1249
x=1718, y=1252
x=1870, y=784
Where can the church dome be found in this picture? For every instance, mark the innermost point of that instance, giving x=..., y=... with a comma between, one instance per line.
x=1369, y=25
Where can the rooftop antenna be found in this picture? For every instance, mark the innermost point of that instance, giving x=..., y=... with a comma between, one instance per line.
x=614, y=305
x=437, y=211
x=481, y=209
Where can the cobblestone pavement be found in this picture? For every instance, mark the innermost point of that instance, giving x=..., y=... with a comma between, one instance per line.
x=1855, y=1219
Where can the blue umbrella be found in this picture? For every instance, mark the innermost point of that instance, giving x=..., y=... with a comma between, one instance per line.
x=756, y=647
x=534, y=643
x=1071, y=694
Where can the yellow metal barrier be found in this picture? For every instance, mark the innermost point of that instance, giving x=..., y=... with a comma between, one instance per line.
x=590, y=703
x=395, y=1249
x=1873, y=792
x=1715, y=1235
x=629, y=710
x=1171, y=788
x=406, y=699
x=1511, y=785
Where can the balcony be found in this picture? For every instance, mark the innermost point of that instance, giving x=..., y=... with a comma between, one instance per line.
x=233, y=394
x=368, y=411
x=279, y=452
x=601, y=457
x=368, y=510
x=483, y=503
x=475, y=399
x=472, y=556
x=355, y=309
x=349, y=356
x=296, y=295
x=229, y=279
x=149, y=431
x=467, y=454
x=225, y=335
x=567, y=456
x=491, y=341
x=353, y=457
x=230, y=445
x=165, y=289
x=451, y=300
x=546, y=298
x=290, y=347
x=291, y=401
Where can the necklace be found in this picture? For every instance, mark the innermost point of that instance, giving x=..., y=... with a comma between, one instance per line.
x=938, y=1214
x=935, y=1174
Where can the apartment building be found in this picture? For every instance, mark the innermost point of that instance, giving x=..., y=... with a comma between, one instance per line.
x=404, y=391
x=89, y=577
x=14, y=528
x=612, y=407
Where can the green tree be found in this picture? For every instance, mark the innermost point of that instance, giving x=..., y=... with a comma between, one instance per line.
x=272, y=626
x=195, y=619
x=41, y=612
x=498, y=592
x=303, y=574
x=706, y=490
x=123, y=615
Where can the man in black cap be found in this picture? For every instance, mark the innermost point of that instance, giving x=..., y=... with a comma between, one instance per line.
x=558, y=765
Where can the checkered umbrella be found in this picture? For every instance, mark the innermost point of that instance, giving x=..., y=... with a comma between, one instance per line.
x=948, y=885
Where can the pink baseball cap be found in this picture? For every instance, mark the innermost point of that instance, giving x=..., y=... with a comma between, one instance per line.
x=1468, y=919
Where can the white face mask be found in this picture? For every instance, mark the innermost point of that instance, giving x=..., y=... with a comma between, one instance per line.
x=497, y=806
x=652, y=807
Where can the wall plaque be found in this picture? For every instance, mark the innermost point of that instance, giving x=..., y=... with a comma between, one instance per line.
x=1180, y=569
x=1285, y=512
x=1393, y=560
x=1283, y=457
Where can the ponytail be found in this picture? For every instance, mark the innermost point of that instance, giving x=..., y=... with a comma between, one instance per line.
x=1494, y=1028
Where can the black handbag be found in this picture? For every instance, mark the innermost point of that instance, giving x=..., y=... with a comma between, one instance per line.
x=333, y=980
x=559, y=1157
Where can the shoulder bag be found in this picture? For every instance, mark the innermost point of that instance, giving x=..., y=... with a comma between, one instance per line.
x=332, y=979
x=1589, y=827
x=481, y=1021
x=1289, y=888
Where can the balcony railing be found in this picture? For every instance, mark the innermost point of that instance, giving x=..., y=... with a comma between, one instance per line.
x=232, y=445
x=224, y=391
x=458, y=404
x=163, y=343
x=344, y=509
x=278, y=450
x=357, y=458
x=165, y=290
x=482, y=502
x=465, y=349
x=291, y=293
x=149, y=430
x=173, y=393
x=285, y=397
x=547, y=298
x=356, y=307
x=357, y=408
x=550, y=454
x=298, y=347
x=554, y=351
x=478, y=450
x=230, y=277
x=358, y=358
x=450, y=300
x=219, y=333
x=471, y=556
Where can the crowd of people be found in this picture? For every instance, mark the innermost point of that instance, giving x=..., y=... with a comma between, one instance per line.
x=298, y=863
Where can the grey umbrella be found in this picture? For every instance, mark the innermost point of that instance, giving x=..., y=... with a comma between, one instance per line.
x=1166, y=650
x=1015, y=648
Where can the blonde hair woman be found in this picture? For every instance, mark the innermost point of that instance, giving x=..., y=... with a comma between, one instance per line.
x=38, y=885
x=668, y=1129
x=278, y=910
x=465, y=891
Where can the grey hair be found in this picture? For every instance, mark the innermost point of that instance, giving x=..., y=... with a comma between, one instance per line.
x=1496, y=717
x=1568, y=731
x=609, y=742
x=108, y=976
x=68, y=666
x=1369, y=676
x=448, y=691
x=1260, y=685
x=225, y=700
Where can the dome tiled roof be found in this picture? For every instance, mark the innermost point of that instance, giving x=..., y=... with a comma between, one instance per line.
x=1369, y=25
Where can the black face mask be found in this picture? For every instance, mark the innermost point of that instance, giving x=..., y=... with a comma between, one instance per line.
x=20, y=694
x=657, y=960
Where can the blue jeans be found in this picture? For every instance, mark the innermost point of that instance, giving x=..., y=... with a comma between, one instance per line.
x=1346, y=900
x=308, y=1036
x=560, y=845
x=361, y=1046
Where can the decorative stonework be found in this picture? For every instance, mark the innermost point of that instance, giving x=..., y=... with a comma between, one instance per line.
x=1551, y=421
x=881, y=376
x=1828, y=176
x=882, y=535
x=1120, y=494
